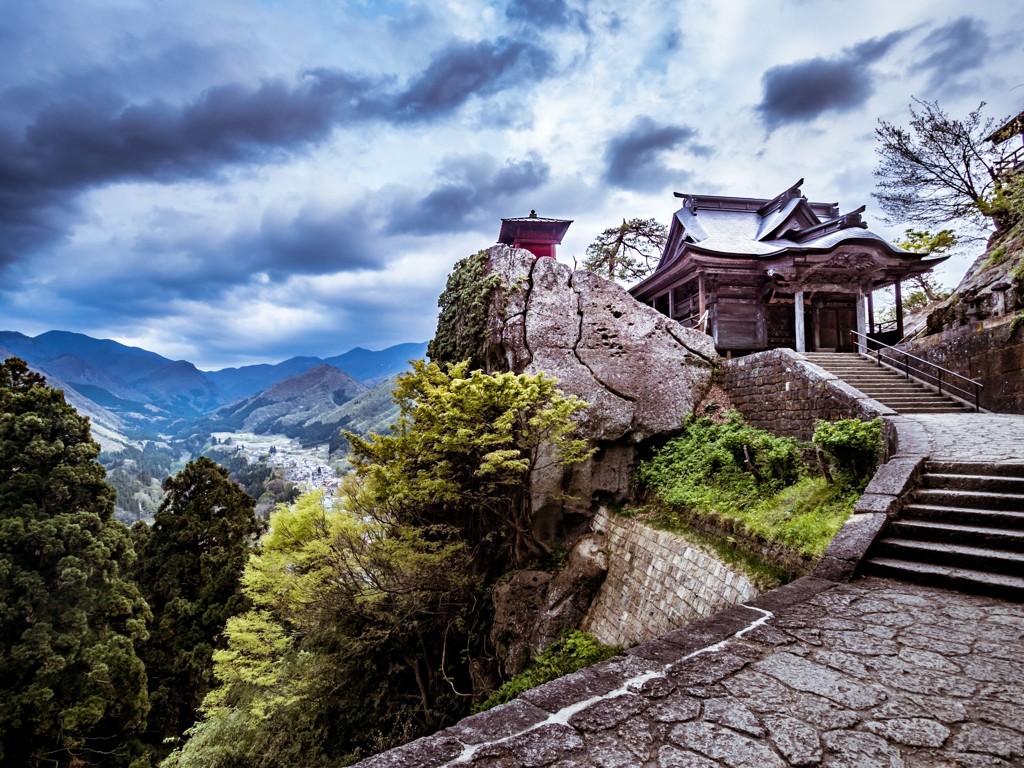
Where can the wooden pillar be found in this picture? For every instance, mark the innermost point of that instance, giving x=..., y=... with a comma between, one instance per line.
x=871, y=311
x=702, y=300
x=672, y=303
x=798, y=307
x=861, y=322
x=899, y=309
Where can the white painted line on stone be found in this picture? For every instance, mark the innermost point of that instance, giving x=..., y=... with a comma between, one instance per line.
x=561, y=717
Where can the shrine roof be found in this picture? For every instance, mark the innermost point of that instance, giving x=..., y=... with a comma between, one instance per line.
x=532, y=226
x=759, y=227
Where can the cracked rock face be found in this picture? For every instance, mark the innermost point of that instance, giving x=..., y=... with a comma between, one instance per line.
x=641, y=372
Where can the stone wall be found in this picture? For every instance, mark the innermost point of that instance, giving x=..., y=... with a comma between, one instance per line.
x=657, y=581
x=985, y=351
x=781, y=391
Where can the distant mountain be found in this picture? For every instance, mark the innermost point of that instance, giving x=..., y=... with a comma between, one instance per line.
x=107, y=428
x=236, y=383
x=140, y=395
x=367, y=365
x=286, y=407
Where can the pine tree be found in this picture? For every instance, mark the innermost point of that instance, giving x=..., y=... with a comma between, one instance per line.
x=72, y=689
x=188, y=569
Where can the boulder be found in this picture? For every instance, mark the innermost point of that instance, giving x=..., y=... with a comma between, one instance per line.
x=518, y=599
x=571, y=591
x=641, y=373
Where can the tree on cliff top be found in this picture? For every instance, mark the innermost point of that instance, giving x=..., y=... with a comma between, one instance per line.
x=940, y=169
x=627, y=252
x=72, y=689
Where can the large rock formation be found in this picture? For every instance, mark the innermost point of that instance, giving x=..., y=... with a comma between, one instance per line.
x=641, y=372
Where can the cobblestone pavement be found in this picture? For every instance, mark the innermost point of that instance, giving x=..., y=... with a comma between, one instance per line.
x=871, y=673
x=965, y=436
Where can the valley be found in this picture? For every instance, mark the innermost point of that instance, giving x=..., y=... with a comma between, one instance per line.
x=308, y=468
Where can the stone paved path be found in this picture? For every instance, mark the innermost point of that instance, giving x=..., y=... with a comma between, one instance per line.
x=870, y=673
x=964, y=436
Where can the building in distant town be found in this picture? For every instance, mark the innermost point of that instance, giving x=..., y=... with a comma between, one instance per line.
x=760, y=274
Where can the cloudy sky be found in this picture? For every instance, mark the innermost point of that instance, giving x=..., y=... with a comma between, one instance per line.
x=232, y=181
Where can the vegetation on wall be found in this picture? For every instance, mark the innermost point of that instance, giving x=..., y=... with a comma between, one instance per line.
x=737, y=480
x=462, y=322
x=571, y=653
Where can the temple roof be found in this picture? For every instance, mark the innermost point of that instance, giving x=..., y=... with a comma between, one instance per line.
x=533, y=227
x=772, y=231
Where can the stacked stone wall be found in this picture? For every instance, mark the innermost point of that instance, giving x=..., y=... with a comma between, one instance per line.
x=657, y=581
x=987, y=352
x=782, y=392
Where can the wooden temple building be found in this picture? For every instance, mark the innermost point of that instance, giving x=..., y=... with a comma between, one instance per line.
x=760, y=274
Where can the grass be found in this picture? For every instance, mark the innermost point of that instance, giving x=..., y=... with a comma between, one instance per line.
x=748, y=495
x=573, y=652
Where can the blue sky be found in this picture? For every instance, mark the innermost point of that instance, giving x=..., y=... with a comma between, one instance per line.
x=235, y=182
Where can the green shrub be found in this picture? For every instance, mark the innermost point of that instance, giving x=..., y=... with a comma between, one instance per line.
x=852, y=447
x=721, y=466
x=736, y=479
x=575, y=651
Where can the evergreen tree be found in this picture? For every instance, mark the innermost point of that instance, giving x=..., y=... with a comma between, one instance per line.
x=627, y=252
x=188, y=569
x=72, y=689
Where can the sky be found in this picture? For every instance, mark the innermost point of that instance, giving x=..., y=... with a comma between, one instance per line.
x=234, y=182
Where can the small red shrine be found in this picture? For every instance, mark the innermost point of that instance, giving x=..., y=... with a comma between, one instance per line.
x=536, y=234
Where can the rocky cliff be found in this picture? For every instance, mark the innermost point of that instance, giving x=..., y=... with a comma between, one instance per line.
x=641, y=372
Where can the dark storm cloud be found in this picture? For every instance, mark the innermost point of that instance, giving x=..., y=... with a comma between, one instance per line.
x=472, y=186
x=634, y=159
x=952, y=49
x=91, y=135
x=319, y=241
x=464, y=70
x=799, y=92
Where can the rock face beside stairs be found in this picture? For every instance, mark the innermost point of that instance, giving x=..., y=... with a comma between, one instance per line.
x=641, y=372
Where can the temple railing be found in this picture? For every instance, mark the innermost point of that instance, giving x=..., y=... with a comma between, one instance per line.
x=911, y=366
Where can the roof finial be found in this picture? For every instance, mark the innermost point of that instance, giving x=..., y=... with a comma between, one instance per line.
x=533, y=214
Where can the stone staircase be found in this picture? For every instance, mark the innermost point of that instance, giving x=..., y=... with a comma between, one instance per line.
x=884, y=384
x=963, y=528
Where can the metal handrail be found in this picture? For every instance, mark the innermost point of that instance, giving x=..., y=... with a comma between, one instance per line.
x=966, y=393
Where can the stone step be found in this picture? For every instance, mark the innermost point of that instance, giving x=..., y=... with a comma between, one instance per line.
x=953, y=555
x=979, y=482
x=997, y=518
x=896, y=401
x=949, y=497
x=1006, y=539
x=989, y=468
x=950, y=408
x=1006, y=586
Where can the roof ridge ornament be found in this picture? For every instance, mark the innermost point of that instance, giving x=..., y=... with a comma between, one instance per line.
x=781, y=199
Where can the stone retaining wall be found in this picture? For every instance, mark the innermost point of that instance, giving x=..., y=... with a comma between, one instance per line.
x=984, y=351
x=781, y=391
x=657, y=581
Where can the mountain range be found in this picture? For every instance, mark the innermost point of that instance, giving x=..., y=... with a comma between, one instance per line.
x=133, y=394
